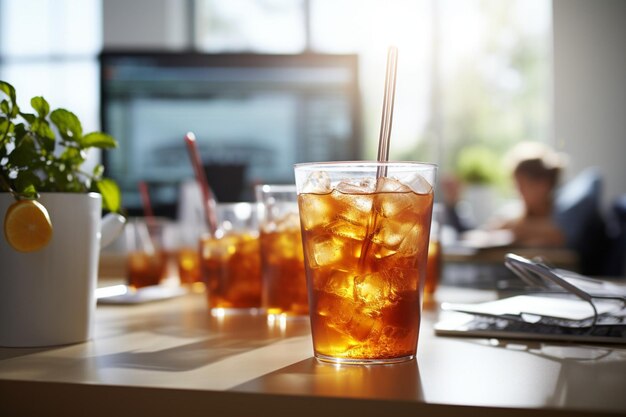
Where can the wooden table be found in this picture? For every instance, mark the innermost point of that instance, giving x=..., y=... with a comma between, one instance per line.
x=172, y=358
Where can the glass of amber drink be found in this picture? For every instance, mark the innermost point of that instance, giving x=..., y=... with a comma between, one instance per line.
x=365, y=229
x=187, y=255
x=282, y=259
x=147, y=258
x=231, y=261
x=433, y=267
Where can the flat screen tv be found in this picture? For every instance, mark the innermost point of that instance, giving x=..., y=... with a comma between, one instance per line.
x=254, y=116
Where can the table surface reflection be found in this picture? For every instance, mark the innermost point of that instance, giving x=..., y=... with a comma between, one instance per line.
x=173, y=357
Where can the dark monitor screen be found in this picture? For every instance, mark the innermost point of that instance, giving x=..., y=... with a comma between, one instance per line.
x=254, y=116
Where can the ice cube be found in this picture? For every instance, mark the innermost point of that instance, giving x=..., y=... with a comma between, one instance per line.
x=329, y=250
x=391, y=185
x=417, y=183
x=324, y=250
x=361, y=326
x=315, y=211
x=347, y=229
x=403, y=279
x=413, y=241
x=391, y=234
x=340, y=283
x=372, y=291
x=344, y=316
x=318, y=182
x=353, y=208
x=392, y=205
x=359, y=202
x=357, y=186
x=382, y=252
x=396, y=260
x=338, y=309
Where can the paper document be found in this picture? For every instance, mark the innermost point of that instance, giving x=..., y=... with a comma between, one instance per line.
x=562, y=308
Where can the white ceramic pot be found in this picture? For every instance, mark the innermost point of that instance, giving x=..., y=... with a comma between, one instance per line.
x=47, y=297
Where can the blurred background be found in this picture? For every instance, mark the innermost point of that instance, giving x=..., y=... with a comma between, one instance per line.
x=268, y=83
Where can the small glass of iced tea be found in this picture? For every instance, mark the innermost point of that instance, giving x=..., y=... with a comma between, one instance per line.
x=146, y=255
x=365, y=228
x=282, y=259
x=231, y=261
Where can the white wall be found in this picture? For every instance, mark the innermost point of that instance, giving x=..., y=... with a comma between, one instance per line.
x=150, y=24
x=590, y=87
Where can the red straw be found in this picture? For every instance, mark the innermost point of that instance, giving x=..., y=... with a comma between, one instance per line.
x=145, y=200
x=147, y=210
x=208, y=199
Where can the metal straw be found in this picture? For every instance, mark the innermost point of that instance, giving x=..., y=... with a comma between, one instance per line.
x=208, y=199
x=387, y=116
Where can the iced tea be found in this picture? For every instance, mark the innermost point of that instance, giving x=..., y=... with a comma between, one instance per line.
x=188, y=260
x=433, y=269
x=231, y=269
x=366, y=245
x=284, y=280
x=145, y=269
x=147, y=260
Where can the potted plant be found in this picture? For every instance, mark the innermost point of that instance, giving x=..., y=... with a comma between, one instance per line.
x=51, y=209
x=478, y=167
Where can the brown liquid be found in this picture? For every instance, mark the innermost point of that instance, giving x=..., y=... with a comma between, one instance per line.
x=189, y=265
x=146, y=269
x=284, y=280
x=365, y=259
x=231, y=269
x=433, y=270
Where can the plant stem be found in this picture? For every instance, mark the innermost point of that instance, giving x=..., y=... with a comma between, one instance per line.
x=5, y=184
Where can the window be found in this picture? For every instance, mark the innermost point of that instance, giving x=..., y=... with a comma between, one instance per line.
x=49, y=48
x=471, y=72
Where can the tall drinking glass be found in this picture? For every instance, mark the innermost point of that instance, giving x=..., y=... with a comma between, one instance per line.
x=365, y=233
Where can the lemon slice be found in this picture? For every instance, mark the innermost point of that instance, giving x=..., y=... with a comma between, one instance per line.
x=27, y=226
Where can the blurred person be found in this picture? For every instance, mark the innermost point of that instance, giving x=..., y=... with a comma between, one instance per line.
x=536, y=170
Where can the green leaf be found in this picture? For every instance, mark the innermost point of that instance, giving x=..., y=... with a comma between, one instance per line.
x=8, y=90
x=71, y=157
x=68, y=124
x=29, y=192
x=4, y=107
x=19, y=131
x=14, y=111
x=57, y=180
x=111, y=196
x=29, y=117
x=42, y=129
x=98, y=170
x=25, y=180
x=98, y=140
x=40, y=105
x=24, y=153
x=6, y=126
